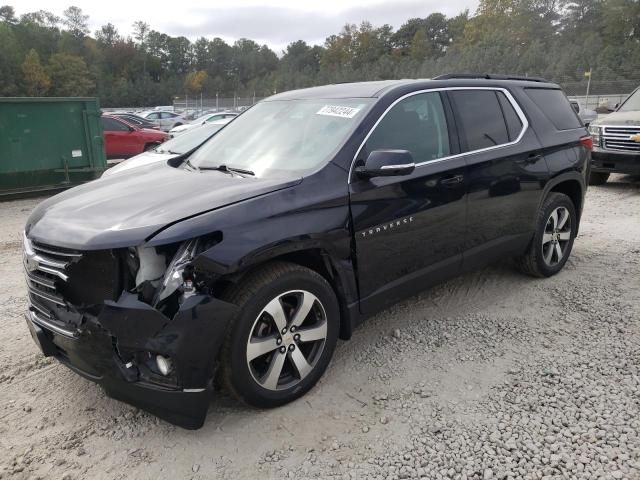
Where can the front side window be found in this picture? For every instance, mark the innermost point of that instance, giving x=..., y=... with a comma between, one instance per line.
x=153, y=116
x=283, y=137
x=417, y=124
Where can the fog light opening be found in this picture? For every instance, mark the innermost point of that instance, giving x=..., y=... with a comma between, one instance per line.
x=164, y=364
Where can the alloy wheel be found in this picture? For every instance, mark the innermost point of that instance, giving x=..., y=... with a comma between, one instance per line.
x=556, y=236
x=286, y=340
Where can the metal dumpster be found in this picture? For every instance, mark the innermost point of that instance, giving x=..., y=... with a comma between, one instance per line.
x=49, y=143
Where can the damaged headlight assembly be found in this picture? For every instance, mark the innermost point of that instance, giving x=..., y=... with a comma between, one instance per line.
x=179, y=273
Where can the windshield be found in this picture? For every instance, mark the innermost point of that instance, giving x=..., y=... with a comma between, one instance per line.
x=283, y=137
x=632, y=103
x=189, y=139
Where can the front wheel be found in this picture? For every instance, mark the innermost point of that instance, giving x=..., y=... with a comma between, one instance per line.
x=283, y=337
x=553, y=240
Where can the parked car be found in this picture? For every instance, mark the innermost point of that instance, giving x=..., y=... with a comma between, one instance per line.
x=211, y=117
x=616, y=141
x=248, y=258
x=123, y=140
x=587, y=116
x=136, y=120
x=163, y=119
x=172, y=148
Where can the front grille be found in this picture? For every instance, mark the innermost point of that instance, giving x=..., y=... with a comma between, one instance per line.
x=620, y=138
x=45, y=268
x=64, y=283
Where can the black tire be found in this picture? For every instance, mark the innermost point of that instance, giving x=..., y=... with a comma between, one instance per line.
x=533, y=261
x=252, y=295
x=598, y=178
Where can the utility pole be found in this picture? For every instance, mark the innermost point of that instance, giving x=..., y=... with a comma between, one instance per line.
x=586, y=100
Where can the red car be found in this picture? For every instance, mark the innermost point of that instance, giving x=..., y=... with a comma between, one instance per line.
x=123, y=140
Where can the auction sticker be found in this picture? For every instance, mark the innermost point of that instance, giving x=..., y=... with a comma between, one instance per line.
x=338, y=111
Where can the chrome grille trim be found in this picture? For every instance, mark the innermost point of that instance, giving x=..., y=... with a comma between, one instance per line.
x=57, y=253
x=47, y=296
x=618, y=137
x=48, y=259
x=44, y=281
x=49, y=325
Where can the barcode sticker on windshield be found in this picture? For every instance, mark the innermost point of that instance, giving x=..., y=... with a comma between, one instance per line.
x=338, y=111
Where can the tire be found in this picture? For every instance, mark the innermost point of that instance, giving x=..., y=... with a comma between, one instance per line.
x=598, y=178
x=542, y=258
x=150, y=146
x=290, y=287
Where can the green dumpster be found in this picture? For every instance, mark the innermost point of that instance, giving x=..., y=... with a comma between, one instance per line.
x=49, y=143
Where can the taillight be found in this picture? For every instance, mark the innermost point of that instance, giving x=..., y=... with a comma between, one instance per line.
x=587, y=142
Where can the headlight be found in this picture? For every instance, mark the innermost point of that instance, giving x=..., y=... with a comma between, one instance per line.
x=595, y=132
x=179, y=273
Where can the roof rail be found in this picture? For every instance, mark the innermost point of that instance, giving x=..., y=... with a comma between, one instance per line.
x=488, y=76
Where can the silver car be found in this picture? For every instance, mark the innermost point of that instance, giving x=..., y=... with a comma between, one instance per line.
x=164, y=119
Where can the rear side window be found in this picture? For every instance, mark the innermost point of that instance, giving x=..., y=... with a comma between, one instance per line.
x=481, y=118
x=556, y=107
x=417, y=124
x=511, y=118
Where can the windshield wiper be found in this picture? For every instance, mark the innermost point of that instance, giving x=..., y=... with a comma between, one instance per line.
x=225, y=168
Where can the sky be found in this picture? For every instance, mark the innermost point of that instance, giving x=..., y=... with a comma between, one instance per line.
x=276, y=23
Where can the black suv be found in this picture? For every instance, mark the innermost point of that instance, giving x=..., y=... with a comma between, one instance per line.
x=246, y=259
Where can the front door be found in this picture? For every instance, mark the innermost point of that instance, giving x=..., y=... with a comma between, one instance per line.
x=409, y=230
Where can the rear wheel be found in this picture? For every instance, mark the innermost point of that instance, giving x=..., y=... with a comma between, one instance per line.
x=553, y=240
x=283, y=337
x=598, y=178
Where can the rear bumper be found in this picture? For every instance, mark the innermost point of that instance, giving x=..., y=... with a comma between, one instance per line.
x=615, y=162
x=115, y=348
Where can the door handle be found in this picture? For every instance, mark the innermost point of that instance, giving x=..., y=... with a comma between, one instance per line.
x=532, y=158
x=452, y=180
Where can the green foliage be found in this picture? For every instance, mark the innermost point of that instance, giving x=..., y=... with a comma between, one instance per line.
x=557, y=39
x=35, y=77
x=69, y=76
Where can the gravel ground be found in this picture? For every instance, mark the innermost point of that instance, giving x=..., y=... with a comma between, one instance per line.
x=492, y=375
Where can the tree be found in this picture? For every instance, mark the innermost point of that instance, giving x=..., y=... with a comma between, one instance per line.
x=195, y=81
x=36, y=80
x=108, y=35
x=76, y=21
x=69, y=76
x=7, y=14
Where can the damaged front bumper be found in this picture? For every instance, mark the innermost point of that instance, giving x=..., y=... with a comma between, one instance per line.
x=115, y=348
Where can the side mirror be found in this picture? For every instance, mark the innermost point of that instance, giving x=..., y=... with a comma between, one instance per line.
x=387, y=163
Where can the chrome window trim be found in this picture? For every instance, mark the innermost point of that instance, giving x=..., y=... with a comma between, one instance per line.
x=510, y=98
x=393, y=167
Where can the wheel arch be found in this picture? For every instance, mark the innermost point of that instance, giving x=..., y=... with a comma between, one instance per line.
x=570, y=184
x=322, y=262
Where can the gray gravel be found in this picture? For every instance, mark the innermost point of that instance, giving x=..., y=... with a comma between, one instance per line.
x=490, y=376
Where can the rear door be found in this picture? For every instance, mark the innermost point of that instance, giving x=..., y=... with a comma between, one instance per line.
x=409, y=230
x=506, y=171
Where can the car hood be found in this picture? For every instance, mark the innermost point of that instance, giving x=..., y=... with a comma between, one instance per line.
x=619, y=118
x=145, y=158
x=127, y=209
